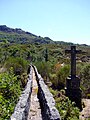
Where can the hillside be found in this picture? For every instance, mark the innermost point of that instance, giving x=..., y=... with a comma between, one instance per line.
x=19, y=36
x=18, y=49
x=56, y=48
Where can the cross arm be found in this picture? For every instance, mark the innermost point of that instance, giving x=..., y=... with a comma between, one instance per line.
x=67, y=51
x=80, y=52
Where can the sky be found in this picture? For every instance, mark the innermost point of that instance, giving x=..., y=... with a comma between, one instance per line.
x=61, y=20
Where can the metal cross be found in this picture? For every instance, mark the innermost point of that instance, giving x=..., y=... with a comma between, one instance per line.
x=73, y=52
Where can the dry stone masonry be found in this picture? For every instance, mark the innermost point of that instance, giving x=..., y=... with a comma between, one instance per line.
x=22, y=108
x=35, y=110
x=47, y=107
x=47, y=102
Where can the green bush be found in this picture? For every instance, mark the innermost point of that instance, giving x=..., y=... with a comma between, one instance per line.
x=9, y=93
x=19, y=64
x=54, y=80
x=66, y=108
x=63, y=73
x=44, y=69
x=23, y=79
x=85, y=80
x=58, y=79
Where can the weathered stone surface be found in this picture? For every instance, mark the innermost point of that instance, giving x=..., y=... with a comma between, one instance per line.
x=23, y=105
x=85, y=113
x=47, y=102
x=35, y=110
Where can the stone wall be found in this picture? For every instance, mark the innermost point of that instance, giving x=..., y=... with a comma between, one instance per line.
x=23, y=105
x=47, y=102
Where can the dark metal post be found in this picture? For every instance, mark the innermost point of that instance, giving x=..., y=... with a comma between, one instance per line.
x=73, y=61
x=73, y=82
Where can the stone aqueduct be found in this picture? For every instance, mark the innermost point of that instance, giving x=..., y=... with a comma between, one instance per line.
x=47, y=102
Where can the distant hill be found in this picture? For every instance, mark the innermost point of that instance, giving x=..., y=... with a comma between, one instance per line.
x=20, y=36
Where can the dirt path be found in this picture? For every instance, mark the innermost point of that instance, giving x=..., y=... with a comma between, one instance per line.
x=85, y=113
x=35, y=111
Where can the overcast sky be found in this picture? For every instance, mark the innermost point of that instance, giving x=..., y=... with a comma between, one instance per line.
x=61, y=20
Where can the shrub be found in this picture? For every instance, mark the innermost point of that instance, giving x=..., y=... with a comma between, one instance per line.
x=54, y=80
x=44, y=69
x=63, y=73
x=9, y=93
x=19, y=64
x=85, y=79
x=58, y=79
x=24, y=79
x=66, y=108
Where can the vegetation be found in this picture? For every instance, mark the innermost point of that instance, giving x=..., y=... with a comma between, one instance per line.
x=85, y=80
x=66, y=108
x=9, y=93
x=18, y=49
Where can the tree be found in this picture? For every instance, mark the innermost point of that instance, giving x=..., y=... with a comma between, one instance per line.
x=46, y=55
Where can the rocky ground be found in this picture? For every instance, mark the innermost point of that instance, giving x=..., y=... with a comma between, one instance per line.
x=85, y=113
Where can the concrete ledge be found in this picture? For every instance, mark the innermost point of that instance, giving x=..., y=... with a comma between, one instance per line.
x=23, y=105
x=47, y=102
